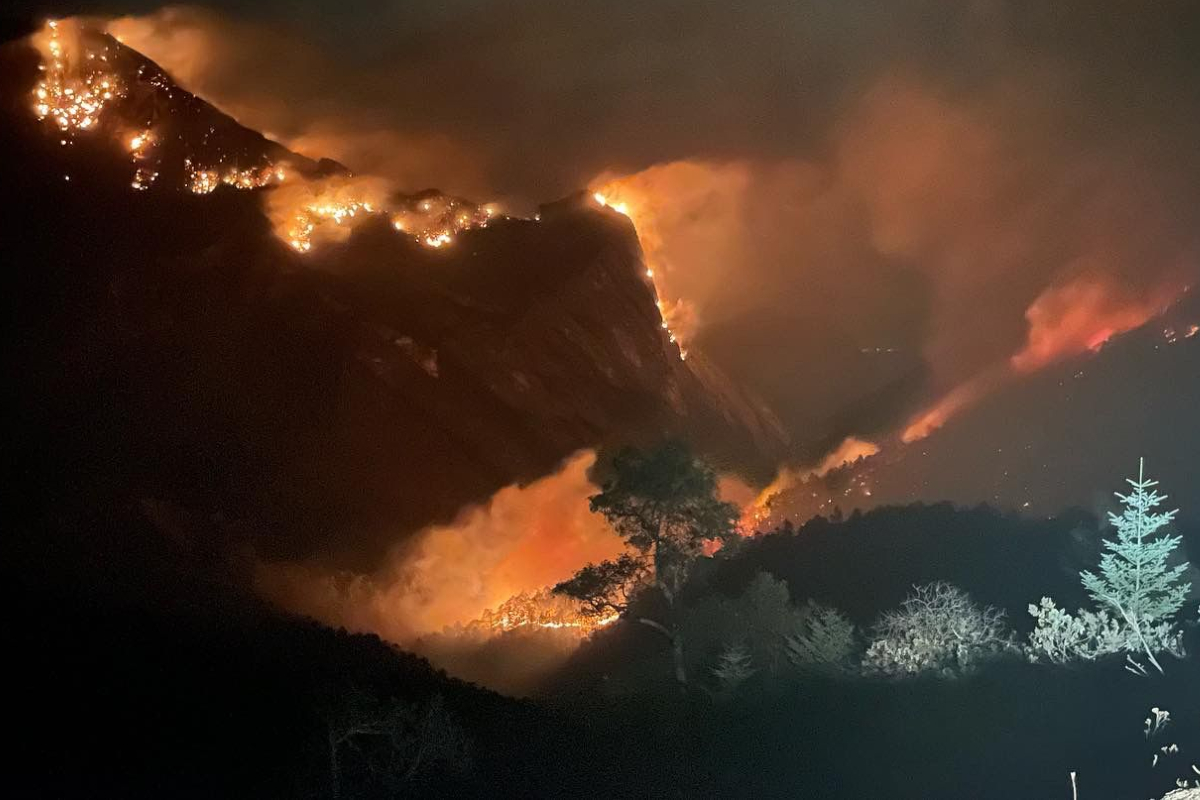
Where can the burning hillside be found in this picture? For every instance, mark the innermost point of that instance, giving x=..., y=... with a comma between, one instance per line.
x=596, y=321
x=437, y=352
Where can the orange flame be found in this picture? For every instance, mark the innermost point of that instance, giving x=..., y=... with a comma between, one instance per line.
x=623, y=197
x=850, y=450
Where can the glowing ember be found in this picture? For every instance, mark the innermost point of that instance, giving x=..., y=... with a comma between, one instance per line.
x=74, y=89
x=309, y=217
x=435, y=221
x=253, y=178
x=850, y=451
x=143, y=178
x=542, y=609
x=204, y=180
x=201, y=181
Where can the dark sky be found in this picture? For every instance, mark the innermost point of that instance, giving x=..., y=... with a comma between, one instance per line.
x=929, y=176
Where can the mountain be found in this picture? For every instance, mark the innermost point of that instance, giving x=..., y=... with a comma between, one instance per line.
x=171, y=345
x=1066, y=436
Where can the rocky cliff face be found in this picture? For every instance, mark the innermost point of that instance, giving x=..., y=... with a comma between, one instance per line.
x=170, y=346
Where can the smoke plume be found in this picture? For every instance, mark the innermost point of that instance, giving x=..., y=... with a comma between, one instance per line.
x=874, y=214
x=837, y=198
x=524, y=539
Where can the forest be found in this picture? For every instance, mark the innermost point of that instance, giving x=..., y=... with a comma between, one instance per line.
x=921, y=651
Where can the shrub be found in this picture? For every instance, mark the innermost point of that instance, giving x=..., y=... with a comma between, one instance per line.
x=937, y=630
x=1060, y=638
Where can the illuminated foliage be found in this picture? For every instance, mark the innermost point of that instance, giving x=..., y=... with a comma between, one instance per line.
x=1062, y=638
x=827, y=641
x=1136, y=580
x=734, y=666
x=937, y=630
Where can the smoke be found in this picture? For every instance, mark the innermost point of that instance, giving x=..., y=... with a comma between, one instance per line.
x=874, y=214
x=523, y=539
x=834, y=199
x=1083, y=315
x=849, y=451
x=308, y=212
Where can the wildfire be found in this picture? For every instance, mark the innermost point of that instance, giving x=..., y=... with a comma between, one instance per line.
x=201, y=181
x=435, y=220
x=142, y=178
x=851, y=450
x=75, y=86
x=1079, y=316
x=139, y=142
x=1173, y=335
x=541, y=609
x=253, y=178
x=205, y=180
x=309, y=217
x=675, y=315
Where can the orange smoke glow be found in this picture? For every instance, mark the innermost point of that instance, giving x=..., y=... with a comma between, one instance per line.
x=850, y=450
x=523, y=540
x=633, y=196
x=307, y=212
x=960, y=397
x=1080, y=316
x=1064, y=321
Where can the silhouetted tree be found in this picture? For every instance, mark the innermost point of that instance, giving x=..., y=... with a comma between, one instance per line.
x=395, y=741
x=664, y=505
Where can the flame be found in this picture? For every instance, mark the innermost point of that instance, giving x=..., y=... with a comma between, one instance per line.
x=849, y=451
x=435, y=220
x=540, y=609
x=1080, y=316
x=305, y=212
x=523, y=539
x=678, y=317
x=1064, y=321
x=76, y=86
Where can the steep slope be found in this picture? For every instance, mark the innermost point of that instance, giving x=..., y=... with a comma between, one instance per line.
x=172, y=346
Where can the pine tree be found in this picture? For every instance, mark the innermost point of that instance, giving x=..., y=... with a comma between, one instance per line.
x=734, y=666
x=1135, y=579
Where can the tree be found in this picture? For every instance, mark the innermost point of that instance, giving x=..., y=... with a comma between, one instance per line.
x=734, y=666
x=664, y=505
x=826, y=642
x=760, y=618
x=608, y=587
x=394, y=742
x=937, y=629
x=1135, y=578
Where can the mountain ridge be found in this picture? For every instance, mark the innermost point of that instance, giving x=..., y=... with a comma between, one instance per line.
x=175, y=348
